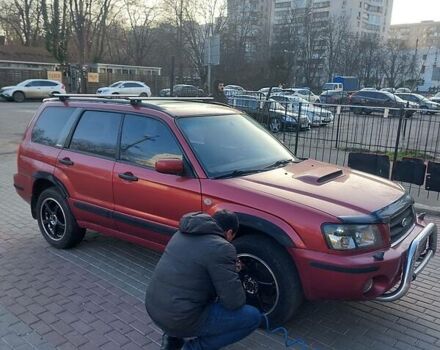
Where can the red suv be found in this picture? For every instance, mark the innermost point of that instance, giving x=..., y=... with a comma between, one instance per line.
x=132, y=168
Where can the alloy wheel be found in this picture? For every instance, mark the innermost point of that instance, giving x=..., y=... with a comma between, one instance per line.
x=259, y=283
x=53, y=219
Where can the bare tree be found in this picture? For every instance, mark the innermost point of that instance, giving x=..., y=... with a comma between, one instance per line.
x=22, y=19
x=56, y=28
x=89, y=23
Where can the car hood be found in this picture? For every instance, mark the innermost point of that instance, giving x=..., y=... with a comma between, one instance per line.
x=337, y=191
x=8, y=87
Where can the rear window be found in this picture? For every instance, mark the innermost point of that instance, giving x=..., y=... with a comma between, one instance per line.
x=97, y=133
x=52, y=126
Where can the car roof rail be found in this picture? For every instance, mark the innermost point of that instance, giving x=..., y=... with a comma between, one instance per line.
x=133, y=99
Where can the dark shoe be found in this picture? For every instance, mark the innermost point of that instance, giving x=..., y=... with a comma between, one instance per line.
x=171, y=343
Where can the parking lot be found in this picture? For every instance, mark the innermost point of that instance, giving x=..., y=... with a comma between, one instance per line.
x=91, y=297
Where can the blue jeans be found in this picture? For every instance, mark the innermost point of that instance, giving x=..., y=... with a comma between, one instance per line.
x=224, y=327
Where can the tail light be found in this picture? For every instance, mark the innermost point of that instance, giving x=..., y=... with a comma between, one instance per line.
x=63, y=87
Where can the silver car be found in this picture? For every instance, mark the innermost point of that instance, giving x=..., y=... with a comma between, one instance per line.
x=137, y=88
x=32, y=88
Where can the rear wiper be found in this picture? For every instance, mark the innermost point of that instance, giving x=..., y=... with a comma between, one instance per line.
x=236, y=173
x=279, y=163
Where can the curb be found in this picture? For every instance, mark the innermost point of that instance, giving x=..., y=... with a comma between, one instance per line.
x=427, y=209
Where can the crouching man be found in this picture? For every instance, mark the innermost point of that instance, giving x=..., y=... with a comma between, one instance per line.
x=195, y=291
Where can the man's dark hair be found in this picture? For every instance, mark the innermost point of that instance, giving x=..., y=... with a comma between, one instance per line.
x=227, y=220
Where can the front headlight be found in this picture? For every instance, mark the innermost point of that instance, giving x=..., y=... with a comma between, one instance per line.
x=349, y=237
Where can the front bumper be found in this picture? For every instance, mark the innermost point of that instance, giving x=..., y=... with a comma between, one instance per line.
x=370, y=275
x=421, y=250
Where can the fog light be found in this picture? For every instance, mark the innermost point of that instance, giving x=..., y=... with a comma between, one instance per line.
x=368, y=286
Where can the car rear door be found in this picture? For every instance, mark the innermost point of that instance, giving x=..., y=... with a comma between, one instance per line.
x=149, y=204
x=85, y=167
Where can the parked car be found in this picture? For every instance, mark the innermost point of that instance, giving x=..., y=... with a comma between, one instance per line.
x=391, y=90
x=137, y=88
x=275, y=90
x=269, y=112
x=431, y=107
x=32, y=89
x=183, y=90
x=436, y=98
x=306, y=94
x=403, y=90
x=307, y=229
x=334, y=97
x=333, y=87
x=318, y=116
x=234, y=87
x=366, y=102
x=232, y=90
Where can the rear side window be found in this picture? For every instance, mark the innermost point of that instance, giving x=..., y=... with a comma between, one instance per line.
x=146, y=140
x=52, y=126
x=97, y=133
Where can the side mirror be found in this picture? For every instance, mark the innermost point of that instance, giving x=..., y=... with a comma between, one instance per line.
x=172, y=166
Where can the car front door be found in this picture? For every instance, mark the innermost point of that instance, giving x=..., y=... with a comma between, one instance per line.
x=85, y=167
x=149, y=204
x=33, y=89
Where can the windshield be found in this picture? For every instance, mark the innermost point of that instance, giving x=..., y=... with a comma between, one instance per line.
x=231, y=143
x=116, y=84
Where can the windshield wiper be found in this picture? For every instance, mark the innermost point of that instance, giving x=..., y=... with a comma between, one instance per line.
x=279, y=163
x=236, y=173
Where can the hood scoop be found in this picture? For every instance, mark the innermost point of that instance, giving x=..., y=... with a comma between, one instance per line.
x=320, y=175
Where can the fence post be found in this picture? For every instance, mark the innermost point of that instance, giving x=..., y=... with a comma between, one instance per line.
x=298, y=126
x=337, y=128
x=396, y=148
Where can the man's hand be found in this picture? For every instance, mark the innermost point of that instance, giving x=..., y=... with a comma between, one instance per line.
x=238, y=265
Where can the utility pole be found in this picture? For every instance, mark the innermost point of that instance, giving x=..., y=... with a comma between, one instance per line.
x=209, y=59
x=180, y=44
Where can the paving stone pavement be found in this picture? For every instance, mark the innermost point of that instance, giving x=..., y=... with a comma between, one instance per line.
x=91, y=297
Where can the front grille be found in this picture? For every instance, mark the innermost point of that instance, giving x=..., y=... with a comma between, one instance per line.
x=401, y=222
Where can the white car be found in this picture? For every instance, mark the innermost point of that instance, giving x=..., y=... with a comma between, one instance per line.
x=305, y=94
x=32, y=88
x=137, y=88
x=317, y=115
x=436, y=98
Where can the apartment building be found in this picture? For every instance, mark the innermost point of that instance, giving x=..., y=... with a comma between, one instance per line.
x=361, y=16
x=253, y=19
x=422, y=35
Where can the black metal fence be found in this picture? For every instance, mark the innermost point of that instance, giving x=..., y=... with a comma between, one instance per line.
x=401, y=145
x=398, y=144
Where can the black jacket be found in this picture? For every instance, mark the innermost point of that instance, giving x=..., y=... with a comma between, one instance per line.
x=198, y=266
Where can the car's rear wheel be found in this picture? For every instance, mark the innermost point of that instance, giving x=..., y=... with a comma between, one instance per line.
x=275, y=125
x=269, y=277
x=144, y=94
x=55, y=93
x=18, y=96
x=56, y=221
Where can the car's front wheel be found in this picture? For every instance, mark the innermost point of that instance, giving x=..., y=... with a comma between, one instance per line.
x=56, y=221
x=18, y=96
x=269, y=277
x=275, y=125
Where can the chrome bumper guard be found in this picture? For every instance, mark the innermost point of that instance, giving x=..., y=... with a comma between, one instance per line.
x=421, y=250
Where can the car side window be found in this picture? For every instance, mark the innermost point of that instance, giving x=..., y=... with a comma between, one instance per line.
x=52, y=126
x=97, y=133
x=146, y=140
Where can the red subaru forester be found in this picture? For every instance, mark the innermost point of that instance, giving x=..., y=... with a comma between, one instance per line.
x=130, y=168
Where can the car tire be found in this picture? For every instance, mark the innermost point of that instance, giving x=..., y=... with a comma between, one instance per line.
x=276, y=262
x=275, y=125
x=115, y=93
x=144, y=94
x=56, y=222
x=54, y=93
x=18, y=96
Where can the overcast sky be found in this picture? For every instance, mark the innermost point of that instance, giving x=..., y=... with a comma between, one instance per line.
x=412, y=11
